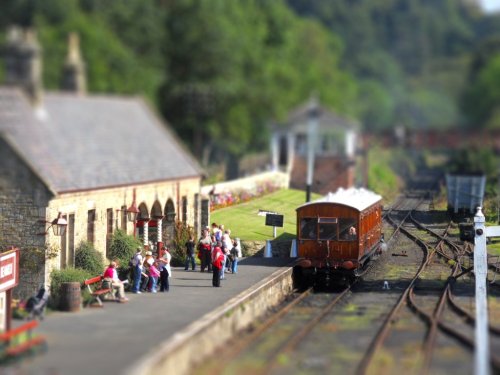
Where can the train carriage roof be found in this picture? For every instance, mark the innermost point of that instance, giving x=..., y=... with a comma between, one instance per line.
x=358, y=198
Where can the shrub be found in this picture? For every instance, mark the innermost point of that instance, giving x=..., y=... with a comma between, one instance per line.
x=178, y=249
x=89, y=259
x=382, y=174
x=57, y=277
x=123, y=247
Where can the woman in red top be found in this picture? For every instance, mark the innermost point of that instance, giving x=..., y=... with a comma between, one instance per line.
x=217, y=263
x=111, y=276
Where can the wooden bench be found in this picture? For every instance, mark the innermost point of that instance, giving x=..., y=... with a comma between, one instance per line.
x=13, y=343
x=96, y=291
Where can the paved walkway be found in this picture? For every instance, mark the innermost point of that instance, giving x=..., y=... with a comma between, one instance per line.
x=108, y=340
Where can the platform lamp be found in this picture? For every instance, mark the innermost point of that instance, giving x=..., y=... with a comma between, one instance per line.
x=58, y=225
x=133, y=212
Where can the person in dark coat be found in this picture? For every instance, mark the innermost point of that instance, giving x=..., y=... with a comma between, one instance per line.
x=190, y=245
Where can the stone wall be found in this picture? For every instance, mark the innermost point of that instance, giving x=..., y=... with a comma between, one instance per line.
x=26, y=204
x=190, y=346
x=250, y=183
x=105, y=200
x=330, y=173
x=21, y=196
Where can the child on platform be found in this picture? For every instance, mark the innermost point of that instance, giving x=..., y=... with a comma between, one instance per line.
x=154, y=274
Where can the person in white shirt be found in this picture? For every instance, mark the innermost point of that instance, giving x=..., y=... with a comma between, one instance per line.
x=227, y=245
x=137, y=267
x=165, y=271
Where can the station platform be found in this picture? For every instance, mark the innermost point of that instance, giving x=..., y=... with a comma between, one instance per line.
x=112, y=339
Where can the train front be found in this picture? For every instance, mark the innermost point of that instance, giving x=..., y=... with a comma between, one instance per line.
x=337, y=236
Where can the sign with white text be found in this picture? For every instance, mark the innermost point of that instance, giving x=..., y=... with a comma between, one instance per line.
x=9, y=269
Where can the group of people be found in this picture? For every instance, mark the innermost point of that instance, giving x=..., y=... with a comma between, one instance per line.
x=218, y=253
x=150, y=272
x=146, y=273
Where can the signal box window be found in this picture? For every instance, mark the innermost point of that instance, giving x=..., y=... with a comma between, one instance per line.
x=327, y=228
x=348, y=229
x=308, y=228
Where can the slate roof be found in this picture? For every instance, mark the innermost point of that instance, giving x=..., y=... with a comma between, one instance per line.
x=298, y=119
x=79, y=143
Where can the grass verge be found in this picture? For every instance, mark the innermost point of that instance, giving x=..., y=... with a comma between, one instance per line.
x=245, y=223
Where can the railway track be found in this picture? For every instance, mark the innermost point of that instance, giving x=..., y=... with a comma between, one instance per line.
x=410, y=312
x=276, y=337
x=434, y=304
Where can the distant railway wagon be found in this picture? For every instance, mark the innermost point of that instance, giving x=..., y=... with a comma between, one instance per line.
x=465, y=193
x=337, y=236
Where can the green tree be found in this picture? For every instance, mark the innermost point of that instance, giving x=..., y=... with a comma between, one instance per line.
x=231, y=66
x=116, y=61
x=376, y=105
x=482, y=98
x=403, y=45
x=476, y=161
x=138, y=24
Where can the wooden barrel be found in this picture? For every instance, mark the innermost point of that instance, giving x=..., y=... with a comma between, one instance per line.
x=71, y=297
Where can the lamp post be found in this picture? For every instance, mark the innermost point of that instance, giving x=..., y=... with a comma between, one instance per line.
x=312, y=130
x=133, y=212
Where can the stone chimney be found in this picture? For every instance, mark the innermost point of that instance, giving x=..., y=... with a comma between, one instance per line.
x=23, y=62
x=74, y=69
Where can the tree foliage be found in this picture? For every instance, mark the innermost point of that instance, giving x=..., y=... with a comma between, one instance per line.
x=481, y=100
x=476, y=161
x=225, y=82
x=115, y=61
x=220, y=71
x=407, y=47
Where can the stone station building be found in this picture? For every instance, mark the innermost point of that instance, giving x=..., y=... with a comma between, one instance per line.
x=84, y=158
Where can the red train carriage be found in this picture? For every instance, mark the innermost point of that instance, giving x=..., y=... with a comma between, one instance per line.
x=337, y=236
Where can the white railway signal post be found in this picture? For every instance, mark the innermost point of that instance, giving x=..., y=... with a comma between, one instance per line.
x=482, y=350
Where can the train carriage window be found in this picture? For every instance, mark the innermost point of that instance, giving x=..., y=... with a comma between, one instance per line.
x=348, y=230
x=327, y=228
x=308, y=228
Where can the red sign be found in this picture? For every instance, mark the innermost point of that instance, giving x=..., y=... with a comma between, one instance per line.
x=9, y=269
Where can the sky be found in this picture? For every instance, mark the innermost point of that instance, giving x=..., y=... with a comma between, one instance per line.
x=491, y=5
